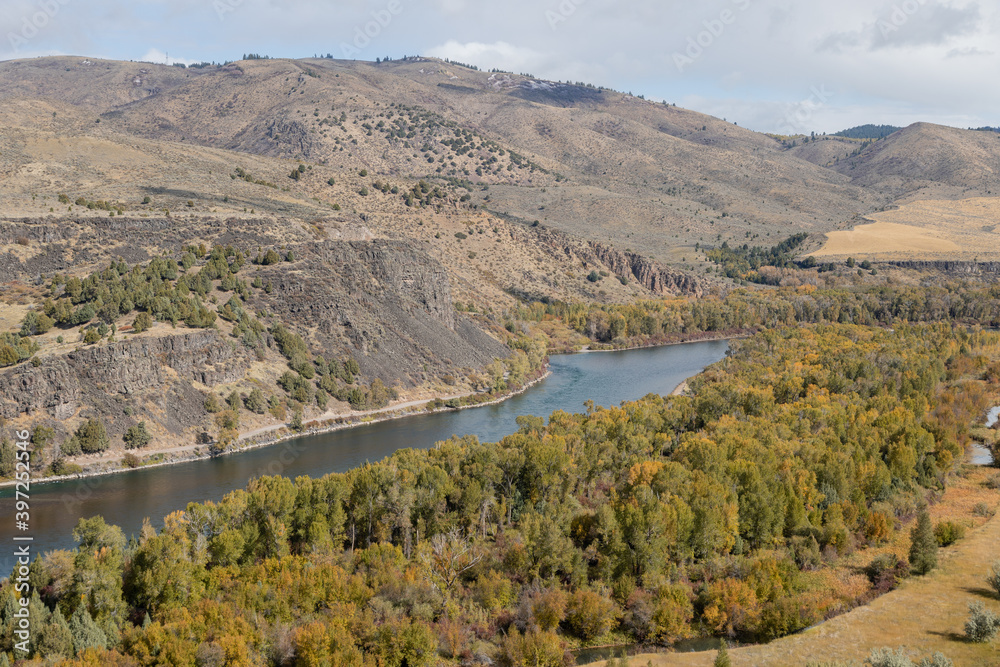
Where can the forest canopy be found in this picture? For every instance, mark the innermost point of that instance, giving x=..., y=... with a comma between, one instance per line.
x=665, y=518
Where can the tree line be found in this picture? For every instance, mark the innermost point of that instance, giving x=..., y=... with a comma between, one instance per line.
x=665, y=518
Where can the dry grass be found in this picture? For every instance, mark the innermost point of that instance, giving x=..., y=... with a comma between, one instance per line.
x=924, y=615
x=929, y=229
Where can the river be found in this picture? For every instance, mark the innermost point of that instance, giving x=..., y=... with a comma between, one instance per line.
x=125, y=499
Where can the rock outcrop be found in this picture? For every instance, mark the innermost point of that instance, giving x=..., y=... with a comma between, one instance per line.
x=88, y=376
x=950, y=267
x=386, y=302
x=650, y=274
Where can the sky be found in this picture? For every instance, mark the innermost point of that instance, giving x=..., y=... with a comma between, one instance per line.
x=770, y=65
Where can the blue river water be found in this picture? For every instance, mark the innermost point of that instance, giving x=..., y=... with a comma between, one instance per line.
x=125, y=499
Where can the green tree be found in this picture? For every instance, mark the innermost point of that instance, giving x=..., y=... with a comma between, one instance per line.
x=8, y=356
x=722, y=657
x=56, y=637
x=143, y=321
x=8, y=458
x=85, y=632
x=255, y=402
x=923, y=544
x=92, y=436
x=136, y=437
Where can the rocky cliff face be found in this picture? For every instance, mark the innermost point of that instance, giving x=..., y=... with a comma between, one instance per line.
x=120, y=371
x=951, y=267
x=386, y=302
x=650, y=274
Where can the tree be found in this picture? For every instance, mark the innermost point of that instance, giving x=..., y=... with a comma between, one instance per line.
x=255, y=402
x=8, y=356
x=589, y=614
x=136, y=437
x=923, y=544
x=86, y=633
x=722, y=657
x=57, y=638
x=142, y=322
x=8, y=458
x=92, y=436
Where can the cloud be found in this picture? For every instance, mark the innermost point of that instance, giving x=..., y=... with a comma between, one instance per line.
x=969, y=52
x=914, y=23
x=157, y=56
x=499, y=55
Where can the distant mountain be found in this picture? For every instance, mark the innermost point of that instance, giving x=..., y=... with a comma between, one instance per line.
x=940, y=162
x=868, y=131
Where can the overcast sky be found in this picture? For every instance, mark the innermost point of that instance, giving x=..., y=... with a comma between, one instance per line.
x=770, y=65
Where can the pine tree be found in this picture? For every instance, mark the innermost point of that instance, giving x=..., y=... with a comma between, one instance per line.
x=86, y=633
x=923, y=544
x=57, y=639
x=722, y=657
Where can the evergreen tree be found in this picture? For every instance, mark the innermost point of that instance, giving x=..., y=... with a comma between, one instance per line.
x=136, y=437
x=8, y=458
x=86, y=633
x=92, y=436
x=722, y=657
x=923, y=544
x=255, y=402
x=56, y=639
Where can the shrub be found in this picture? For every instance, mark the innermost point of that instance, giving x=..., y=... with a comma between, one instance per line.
x=886, y=657
x=143, y=321
x=885, y=571
x=540, y=649
x=255, y=402
x=993, y=578
x=71, y=447
x=983, y=510
x=982, y=625
x=948, y=532
x=212, y=404
x=130, y=460
x=589, y=614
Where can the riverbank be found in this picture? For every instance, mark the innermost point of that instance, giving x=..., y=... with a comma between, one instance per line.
x=276, y=434
x=327, y=423
x=702, y=337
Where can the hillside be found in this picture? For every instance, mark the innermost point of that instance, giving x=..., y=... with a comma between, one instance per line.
x=613, y=167
x=925, y=161
x=403, y=277
x=408, y=206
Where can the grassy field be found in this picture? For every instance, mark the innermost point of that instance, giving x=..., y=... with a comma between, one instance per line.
x=929, y=229
x=924, y=615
